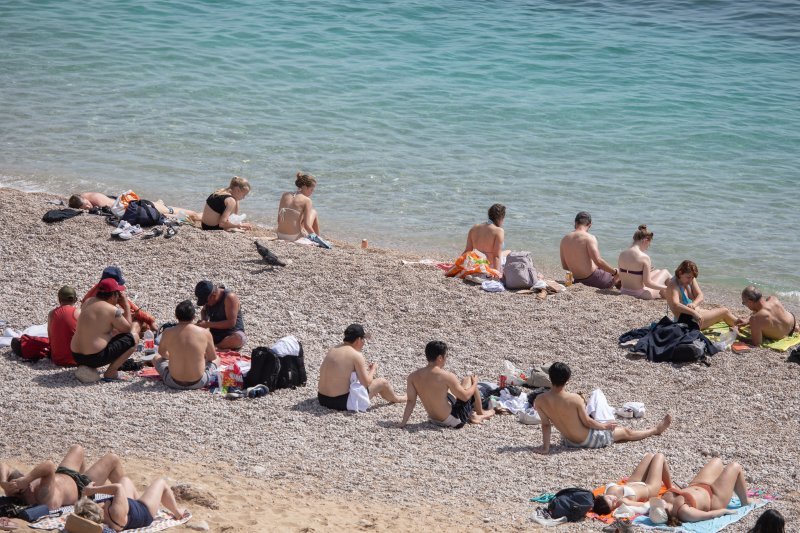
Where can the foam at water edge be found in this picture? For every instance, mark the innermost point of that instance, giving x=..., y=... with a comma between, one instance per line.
x=790, y=296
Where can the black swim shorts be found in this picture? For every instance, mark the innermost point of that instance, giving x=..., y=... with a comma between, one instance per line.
x=460, y=409
x=334, y=402
x=80, y=480
x=117, y=346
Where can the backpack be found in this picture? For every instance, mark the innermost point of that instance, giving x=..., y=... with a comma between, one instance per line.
x=31, y=348
x=292, y=372
x=57, y=215
x=573, y=503
x=265, y=366
x=519, y=272
x=143, y=213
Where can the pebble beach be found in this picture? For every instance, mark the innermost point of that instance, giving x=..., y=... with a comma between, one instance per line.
x=743, y=408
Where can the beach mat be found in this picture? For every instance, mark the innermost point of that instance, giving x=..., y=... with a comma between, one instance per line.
x=227, y=358
x=783, y=345
x=163, y=520
x=706, y=526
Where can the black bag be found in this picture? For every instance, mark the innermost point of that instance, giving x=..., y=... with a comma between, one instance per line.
x=143, y=213
x=57, y=215
x=10, y=507
x=293, y=371
x=573, y=503
x=265, y=366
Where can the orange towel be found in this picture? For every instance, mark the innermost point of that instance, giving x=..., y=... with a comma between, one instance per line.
x=609, y=518
x=225, y=358
x=472, y=263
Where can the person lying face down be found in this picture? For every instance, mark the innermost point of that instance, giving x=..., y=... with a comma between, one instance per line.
x=88, y=200
x=449, y=402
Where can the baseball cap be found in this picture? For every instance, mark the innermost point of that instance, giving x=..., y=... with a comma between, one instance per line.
x=109, y=285
x=66, y=293
x=203, y=290
x=113, y=272
x=355, y=331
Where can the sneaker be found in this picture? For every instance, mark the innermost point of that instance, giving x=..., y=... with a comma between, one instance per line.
x=85, y=374
x=132, y=231
x=121, y=227
x=258, y=391
x=313, y=237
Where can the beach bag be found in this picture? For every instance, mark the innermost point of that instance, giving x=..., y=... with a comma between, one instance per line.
x=292, y=371
x=122, y=201
x=519, y=272
x=57, y=215
x=573, y=503
x=31, y=348
x=143, y=213
x=265, y=366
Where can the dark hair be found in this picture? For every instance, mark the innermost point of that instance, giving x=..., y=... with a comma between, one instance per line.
x=75, y=201
x=687, y=267
x=105, y=295
x=497, y=213
x=601, y=506
x=751, y=293
x=583, y=219
x=642, y=234
x=305, y=180
x=434, y=349
x=354, y=332
x=559, y=374
x=770, y=521
x=185, y=311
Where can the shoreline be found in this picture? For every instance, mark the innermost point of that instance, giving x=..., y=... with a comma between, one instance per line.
x=744, y=407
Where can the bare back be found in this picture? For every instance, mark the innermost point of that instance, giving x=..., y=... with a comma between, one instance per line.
x=565, y=411
x=96, y=324
x=432, y=385
x=338, y=364
x=774, y=321
x=291, y=210
x=633, y=260
x=487, y=239
x=98, y=199
x=188, y=347
x=575, y=253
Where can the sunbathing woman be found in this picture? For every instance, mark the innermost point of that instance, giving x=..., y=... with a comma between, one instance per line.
x=296, y=214
x=128, y=510
x=645, y=483
x=224, y=203
x=684, y=297
x=706, y=497
x=635, y=269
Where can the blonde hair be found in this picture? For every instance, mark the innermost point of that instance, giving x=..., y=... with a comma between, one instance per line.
x=642, y=234
x=305, y=180
x=88, y=509
x=236, y=182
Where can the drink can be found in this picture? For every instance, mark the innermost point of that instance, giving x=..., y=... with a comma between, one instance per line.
x=502, y=380
x=364, y=243
x=570, y=279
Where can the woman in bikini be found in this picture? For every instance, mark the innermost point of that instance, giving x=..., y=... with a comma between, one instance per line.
x=706, y=497
x=638, y=280
x=684, y=297
x=224, y=203
x=296, y=214
x=128, y=510
x=645, y=483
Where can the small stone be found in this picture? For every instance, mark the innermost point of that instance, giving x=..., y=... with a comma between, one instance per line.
x=259, y=470
x=202, y=525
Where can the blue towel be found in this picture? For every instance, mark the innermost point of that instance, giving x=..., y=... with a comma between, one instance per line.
x=706, y=526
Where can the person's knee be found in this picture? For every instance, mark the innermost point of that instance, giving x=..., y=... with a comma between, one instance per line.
x=76, y=448
x=736, y=467
x=380, y=383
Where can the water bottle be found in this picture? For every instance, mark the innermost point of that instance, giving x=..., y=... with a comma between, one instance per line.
x=148, y=342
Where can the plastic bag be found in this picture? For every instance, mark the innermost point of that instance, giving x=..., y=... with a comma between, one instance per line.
x=122, y=201
x=512, y=376
x=228, y=377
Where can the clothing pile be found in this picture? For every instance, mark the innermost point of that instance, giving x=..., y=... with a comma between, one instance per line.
x=671, y=342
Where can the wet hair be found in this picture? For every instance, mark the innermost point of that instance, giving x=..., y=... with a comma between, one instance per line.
x=185, y=311
x=687, y=267
x=75, y=201
x=559, y=374
x=752, y=294
x=434, y=349
x=236, y=183
x=497, y=213
x=601, y=506
x=304, y=180
x=105, y=295
x=584, y=219
x=642, y=234
x=770, y=521
x=88, y=509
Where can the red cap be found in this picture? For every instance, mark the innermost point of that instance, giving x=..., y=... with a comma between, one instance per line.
x=109, y=285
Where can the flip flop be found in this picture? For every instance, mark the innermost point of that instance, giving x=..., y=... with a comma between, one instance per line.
x=116, y=380
x=155, y=232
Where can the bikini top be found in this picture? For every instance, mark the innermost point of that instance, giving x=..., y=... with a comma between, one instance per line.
x=217, y=202
x=685, y=300
x=627, y=492
x=632, y=272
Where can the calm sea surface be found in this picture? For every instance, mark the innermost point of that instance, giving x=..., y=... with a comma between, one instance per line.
x=418, y=115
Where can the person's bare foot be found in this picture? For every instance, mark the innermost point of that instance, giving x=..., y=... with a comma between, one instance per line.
x=664, y=424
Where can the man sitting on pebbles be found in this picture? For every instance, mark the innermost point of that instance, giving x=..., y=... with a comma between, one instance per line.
x=57, y=486
x=769, y=320
x=221, y=314
x=581, y=255
x=448, y=401
x=567, y=412
x=187, y=356
x=346, y=382
x=105, y=334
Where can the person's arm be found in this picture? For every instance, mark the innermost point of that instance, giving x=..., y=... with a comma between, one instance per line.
x=45, y=493
x=163, y=351
x=411, y=394
x=698, y=294
x=364, y=372
x=547, y=427
x=231, y=314
x=688, y=513
x=118, y=510
x=563, y=259
x=50, y=324
x=594, y=255
x=756, y=336
x=123, y=322
x=308, y=205
x=470, y=245
x=211, y=352
x=458, y=390
x=646, y=276
x=590, y=422
x=674, y=300
x=497, y=249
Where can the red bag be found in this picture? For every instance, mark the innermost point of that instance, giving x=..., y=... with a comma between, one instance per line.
x=31, y=348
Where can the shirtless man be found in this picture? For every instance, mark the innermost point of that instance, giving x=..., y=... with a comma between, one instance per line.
x=221, y=315
x=769, y=319
x=57, y=486
x=187, y=356
x=581, y=256
x=338, y=367
x=89, y=200
x=448, y=401
x=487, y=237
x=105, y=334
x=567, y=412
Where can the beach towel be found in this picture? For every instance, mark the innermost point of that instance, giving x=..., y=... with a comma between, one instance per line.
x=706, y=526
x=782, y=345
x=163, y=520
x=227, y=358
x=472, y=263
x=358, y=397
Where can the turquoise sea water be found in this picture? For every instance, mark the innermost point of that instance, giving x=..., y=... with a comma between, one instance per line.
x=417, y=115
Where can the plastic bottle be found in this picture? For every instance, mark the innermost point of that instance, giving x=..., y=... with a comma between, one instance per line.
x=570, y=279
x=236, y=219
x=148, y=342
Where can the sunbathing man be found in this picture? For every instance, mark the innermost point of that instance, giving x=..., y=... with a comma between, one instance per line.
x=221, y=314
x=187, y=356
x=448, y=401
x=769, y=319
x=88, y=200
x=346, y=381
x=567, y=412
x=487, y=237
x=105, y=334
x=61, y=324
x=581, y=256
x=57, y=486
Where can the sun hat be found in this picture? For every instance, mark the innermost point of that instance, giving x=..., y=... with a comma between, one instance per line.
x=109, y=285
x=203, y=290
x=113, y=272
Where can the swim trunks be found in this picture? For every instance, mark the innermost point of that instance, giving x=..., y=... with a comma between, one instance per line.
x=597, y=438
x=206, y=227
x=599, y=279
x=116, y=347
x=163, y=370
x=80, y=480
x=460, y=409
x=339, y=403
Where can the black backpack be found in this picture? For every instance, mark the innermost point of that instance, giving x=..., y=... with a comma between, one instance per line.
x=293, y=371
x=57, y=215
x=268, y=368
x=573, y=503
x=143, y=213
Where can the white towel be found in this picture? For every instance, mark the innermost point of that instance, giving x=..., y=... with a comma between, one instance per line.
x=358, y=399
x=286, y=346
x=597, y=407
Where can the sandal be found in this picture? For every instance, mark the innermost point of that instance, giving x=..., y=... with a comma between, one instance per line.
x=171, y=232
x=155, y=232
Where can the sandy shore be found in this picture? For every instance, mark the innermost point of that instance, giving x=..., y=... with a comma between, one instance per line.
x=316, y=470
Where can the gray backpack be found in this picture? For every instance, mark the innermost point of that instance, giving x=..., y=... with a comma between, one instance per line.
x=519, y=272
